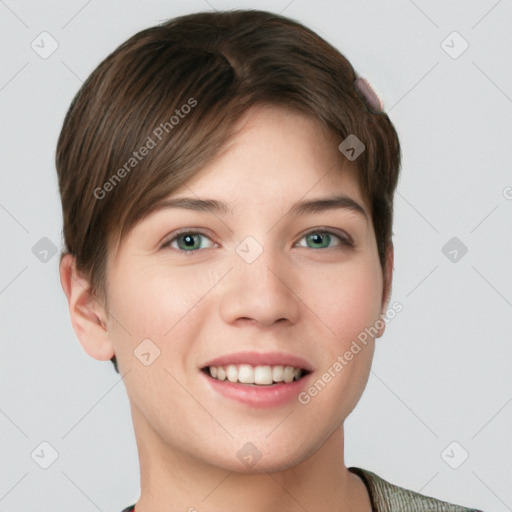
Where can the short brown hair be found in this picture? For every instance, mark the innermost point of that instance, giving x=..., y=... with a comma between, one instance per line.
x=217, y=65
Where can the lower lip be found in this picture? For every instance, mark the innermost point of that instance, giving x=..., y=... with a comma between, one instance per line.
x=258, y=396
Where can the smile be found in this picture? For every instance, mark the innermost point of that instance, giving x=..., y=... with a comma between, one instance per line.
x=256, y=379
x=264, y=375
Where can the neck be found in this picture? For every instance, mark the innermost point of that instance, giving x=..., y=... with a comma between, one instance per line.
x=171, y=480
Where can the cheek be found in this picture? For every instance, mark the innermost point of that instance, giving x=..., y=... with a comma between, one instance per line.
x=155, y=301
x=348, y=300
x=157, y=317
x=162, y=306
x=350, y=306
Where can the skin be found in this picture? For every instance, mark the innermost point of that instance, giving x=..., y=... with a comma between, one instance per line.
x=297, y=297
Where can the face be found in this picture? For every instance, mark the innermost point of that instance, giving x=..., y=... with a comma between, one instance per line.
x=258, y=291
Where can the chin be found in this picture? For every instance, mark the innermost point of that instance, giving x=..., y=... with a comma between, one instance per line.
x=264, y=457
x=267, y=464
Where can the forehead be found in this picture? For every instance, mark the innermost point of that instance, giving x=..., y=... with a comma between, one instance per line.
x=279, y=152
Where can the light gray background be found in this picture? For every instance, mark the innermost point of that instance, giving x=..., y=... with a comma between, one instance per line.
x=441, y=372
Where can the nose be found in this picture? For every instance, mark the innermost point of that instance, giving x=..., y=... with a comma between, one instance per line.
x=260, y=292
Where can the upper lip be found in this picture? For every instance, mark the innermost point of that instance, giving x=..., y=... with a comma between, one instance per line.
x=260, y=359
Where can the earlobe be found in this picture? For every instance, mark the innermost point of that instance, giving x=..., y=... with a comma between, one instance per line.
x=88, y=316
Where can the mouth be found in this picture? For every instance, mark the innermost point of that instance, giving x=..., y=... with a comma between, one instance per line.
x=257, y=379
x=261, y=375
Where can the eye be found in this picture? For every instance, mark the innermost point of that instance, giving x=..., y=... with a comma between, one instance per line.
x=188, y=241
x=320, y=239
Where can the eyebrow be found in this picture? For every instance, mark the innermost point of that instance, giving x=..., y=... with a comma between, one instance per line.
x=299, y=208
x=327, y=203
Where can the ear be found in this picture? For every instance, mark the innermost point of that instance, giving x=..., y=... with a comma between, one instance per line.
x=387, y=284
x=388, y=277
x=88, y=316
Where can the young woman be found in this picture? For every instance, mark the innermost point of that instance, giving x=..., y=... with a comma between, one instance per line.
x=227, y=186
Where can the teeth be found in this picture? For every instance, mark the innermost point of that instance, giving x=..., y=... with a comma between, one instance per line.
x=259, y=375
x=278, y=374
x=288, y=373
x=221, y=373
x=262, y=375
x=245, y=374
x=232, y=373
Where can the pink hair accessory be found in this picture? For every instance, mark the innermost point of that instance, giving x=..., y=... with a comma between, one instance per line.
x=368, y=95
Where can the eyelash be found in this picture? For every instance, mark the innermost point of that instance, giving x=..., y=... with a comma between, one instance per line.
x=344, y=240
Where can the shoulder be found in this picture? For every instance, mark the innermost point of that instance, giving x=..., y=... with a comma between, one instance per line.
x=387, y=497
